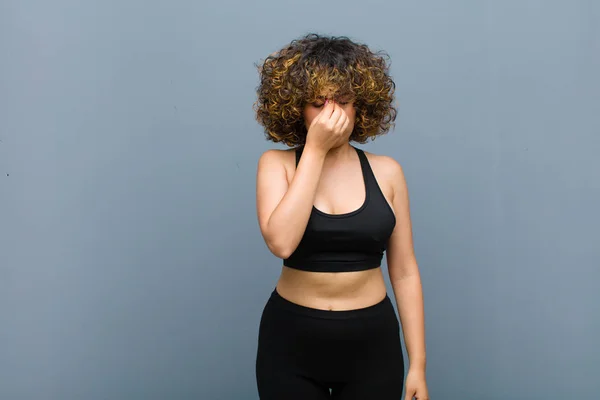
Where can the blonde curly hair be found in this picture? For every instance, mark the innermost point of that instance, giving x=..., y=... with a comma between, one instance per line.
x=301, y=72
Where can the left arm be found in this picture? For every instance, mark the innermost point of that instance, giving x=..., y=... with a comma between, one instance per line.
x=406, y=284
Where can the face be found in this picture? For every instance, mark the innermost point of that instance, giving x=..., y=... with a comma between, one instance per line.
x=311, y=110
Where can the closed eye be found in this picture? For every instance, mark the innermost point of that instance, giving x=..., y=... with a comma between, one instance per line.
x=317, y=105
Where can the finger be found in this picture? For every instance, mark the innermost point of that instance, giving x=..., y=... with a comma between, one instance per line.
x=345, y=125
x=328, y=109
x=338, y=112
x=339, y=125
x=343, y=117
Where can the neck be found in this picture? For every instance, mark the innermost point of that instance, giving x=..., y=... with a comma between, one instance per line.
x=340, y=153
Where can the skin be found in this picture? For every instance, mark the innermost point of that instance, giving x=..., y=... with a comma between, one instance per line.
x=284, y=204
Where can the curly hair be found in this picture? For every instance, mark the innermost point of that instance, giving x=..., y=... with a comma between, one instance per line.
x=314, y=65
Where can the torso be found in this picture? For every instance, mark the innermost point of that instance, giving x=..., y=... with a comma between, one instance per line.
x=337, y=290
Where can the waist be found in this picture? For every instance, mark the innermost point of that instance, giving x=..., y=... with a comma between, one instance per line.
x=332, y=290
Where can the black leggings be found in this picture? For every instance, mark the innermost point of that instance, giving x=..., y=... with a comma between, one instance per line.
x=304, y=352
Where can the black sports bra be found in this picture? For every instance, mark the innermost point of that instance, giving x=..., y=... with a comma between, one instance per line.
x=353, y=241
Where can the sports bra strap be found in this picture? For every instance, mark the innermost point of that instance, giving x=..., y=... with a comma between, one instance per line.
x=369, y=176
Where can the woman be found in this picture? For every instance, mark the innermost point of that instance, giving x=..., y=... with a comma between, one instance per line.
x=330, y=211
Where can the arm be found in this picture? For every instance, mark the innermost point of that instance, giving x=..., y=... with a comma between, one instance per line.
x=284, y=209
x=405, y=277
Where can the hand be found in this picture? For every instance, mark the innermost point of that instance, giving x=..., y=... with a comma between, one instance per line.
x=329, y=128
x=415, y=385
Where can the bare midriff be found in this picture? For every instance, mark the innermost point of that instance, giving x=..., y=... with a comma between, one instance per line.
x=335, y=291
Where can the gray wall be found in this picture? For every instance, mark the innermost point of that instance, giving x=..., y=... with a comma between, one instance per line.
x=131, y=264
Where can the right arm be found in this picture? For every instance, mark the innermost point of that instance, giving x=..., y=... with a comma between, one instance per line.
x=284, y=209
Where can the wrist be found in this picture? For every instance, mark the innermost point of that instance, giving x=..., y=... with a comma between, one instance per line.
x=315, y=150
x=417, y=365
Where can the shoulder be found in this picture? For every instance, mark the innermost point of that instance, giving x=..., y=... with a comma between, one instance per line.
x=277, y=156
x=277, y=159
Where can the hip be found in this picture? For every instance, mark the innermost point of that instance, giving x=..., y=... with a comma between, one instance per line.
x=329, y=345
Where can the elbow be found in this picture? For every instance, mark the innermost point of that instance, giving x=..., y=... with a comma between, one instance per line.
x=279, y=243
x=280, y=250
